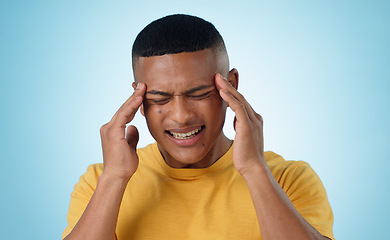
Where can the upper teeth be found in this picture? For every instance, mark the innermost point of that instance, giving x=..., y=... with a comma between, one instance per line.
x=185, y=135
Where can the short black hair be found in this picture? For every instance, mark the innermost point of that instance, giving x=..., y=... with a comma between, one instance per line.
x=175, y=34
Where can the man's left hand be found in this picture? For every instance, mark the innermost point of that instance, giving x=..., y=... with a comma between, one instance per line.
x=248, y=149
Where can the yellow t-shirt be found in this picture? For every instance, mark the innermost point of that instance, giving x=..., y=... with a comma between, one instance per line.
x=213, y=203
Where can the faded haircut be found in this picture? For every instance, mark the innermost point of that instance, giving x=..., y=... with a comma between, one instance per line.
x=175, y=34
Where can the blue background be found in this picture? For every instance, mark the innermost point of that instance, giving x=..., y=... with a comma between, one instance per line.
x=317, y=71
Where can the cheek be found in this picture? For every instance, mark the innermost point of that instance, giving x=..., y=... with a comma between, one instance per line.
x=213, y=109
x=151, y=110
x=215, y=104
x=218, y=109
x=153, y=115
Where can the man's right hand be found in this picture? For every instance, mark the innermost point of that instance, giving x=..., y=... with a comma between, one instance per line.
x=119, y=148
x=120, y=163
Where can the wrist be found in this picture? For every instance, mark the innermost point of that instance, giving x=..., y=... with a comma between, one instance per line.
x=254, y=171
x=108, y=180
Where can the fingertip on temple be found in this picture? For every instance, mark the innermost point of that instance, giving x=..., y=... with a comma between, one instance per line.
x=219, y=79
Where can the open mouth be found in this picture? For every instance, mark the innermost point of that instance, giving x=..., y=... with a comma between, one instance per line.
x=187, y=135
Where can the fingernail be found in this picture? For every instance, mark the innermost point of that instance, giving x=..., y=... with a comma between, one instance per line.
x=222, y=76
x=138, y=86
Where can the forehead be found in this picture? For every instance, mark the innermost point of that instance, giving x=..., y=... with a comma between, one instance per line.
x=176, y=72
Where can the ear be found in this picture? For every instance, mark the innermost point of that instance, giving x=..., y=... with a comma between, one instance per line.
x=233, y=78
x=134, y=85
x=141, y=109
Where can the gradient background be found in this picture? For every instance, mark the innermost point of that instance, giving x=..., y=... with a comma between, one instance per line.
x=317, y=71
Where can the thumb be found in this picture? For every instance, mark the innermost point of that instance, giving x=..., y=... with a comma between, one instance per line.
x=132, y=136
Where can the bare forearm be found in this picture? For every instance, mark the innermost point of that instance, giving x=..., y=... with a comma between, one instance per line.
x=120, y=163
x=277, y=216
x=100, y=217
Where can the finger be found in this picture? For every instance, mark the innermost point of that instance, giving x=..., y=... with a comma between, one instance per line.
x=132, y=136
x=223, y=84
x=127, y=113
x=258, y=116
x=139, y=91
x=238, y=108
x=128, y=109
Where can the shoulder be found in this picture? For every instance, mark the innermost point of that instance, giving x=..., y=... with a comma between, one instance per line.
x=94, y=170
x=148, y=151
x=291, y=173
x=88, y=181
x=148, y=156
x=279, y=166
x=305, y=190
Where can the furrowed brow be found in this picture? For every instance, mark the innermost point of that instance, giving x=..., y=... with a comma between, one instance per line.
x=195, y=89
x=155, y=92
x=190, y=91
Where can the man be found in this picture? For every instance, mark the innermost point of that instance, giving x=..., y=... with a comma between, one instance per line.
x=193, y=183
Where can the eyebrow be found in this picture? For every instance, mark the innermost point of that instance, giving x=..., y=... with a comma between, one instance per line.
x=190, y=91
x=154, y=92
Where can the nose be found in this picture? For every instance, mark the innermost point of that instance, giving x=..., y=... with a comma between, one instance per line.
x=181, y=110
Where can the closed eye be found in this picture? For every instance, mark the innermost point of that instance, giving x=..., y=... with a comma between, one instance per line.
x=158, y=101
x=201, y=96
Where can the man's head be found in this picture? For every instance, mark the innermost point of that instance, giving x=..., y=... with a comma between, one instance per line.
x=177, y=57
x=178, y=33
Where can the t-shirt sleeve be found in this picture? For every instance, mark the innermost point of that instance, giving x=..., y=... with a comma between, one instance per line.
x=81, y=195
x=307, y=193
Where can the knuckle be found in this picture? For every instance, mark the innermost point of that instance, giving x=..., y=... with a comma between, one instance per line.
x=103, y=129
x=240, y=97
x=241, y=106
x=120, y=111
x=237, y=107
x=260, y=118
